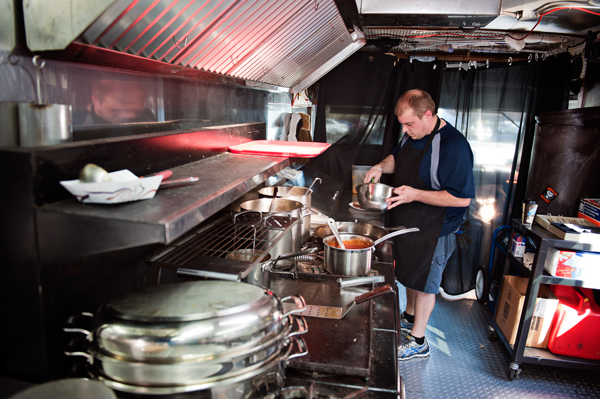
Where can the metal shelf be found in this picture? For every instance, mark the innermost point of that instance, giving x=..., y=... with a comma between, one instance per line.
x=95, y=228
x=542, y=240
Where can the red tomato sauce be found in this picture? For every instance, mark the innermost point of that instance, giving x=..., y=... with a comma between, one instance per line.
x=354, y=243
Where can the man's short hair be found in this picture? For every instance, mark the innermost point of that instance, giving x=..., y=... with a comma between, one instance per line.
x=103, y=87
x=418, y=100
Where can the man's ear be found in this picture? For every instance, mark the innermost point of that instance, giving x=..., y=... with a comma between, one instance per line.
x=95, y=100
x=428, y=114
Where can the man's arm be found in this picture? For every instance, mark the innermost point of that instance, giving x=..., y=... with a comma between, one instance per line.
x=388, y=165
x=406, y=194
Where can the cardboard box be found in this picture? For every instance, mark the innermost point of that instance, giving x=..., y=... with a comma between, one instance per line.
x=589, y=209
x=571, y=264
x=510, y=306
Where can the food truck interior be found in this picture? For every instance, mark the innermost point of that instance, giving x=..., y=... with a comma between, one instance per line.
x=186, y=86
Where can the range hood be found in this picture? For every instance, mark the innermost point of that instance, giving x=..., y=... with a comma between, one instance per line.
x=285, y=45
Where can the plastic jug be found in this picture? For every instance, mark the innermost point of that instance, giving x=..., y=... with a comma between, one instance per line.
x=576, y=326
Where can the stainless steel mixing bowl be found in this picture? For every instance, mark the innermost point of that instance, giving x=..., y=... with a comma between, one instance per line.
x=371, y=196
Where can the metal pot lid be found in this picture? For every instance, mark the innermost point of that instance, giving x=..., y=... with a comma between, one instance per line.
x=196, y=300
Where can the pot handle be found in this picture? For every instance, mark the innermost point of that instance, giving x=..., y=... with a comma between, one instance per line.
x=89, y=357
x=88, y=334
x=395, y=233
x=305, y=211
x=298, y=300
x=302, y=326
x=373, y=294
x=302, y=349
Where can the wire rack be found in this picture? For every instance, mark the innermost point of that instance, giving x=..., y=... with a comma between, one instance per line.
x=230, y=235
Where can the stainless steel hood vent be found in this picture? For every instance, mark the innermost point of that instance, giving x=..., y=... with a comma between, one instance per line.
x=288, y=44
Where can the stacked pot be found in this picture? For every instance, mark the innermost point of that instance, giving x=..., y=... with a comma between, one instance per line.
x=217, y=336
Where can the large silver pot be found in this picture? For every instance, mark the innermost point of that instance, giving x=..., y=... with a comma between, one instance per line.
x=278, y=216
x=300, y=194
x=348, y=262
x=354, y=262
x=193, y=333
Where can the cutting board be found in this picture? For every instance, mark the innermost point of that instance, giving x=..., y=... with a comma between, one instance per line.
x=277, y=148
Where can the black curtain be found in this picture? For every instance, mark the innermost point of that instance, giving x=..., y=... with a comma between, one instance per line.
x=495, y=109
x=355, y=109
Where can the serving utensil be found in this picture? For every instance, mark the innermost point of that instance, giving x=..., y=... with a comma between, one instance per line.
x=338, y=312
x=334, y=229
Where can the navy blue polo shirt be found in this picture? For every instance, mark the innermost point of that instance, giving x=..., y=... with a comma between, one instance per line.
x=455, y=170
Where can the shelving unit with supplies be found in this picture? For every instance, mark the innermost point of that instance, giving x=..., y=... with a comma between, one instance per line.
x=543, y=240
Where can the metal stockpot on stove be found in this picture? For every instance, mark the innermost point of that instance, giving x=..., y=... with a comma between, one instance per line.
x=294, y=193
x=280, y=214
x=354, y=262
x=189, y=336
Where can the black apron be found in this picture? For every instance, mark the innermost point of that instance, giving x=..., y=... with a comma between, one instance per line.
x=413, y=252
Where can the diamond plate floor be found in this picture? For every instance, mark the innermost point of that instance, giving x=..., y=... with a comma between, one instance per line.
x=463, y=363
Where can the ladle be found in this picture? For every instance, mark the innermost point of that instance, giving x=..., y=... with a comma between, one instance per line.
x=313, y=183
x=272, y=206
x=334, y=229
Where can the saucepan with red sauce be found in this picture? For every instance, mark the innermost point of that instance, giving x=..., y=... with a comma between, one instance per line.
x=356, y=259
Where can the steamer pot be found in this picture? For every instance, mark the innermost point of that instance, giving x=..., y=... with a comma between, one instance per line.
x=262, y=381
x=189, y=333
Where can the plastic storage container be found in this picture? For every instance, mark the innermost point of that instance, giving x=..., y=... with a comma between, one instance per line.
x=576, y=327
x=358, y=175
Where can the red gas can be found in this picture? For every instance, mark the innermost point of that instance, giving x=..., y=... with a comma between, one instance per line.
x=576, y=326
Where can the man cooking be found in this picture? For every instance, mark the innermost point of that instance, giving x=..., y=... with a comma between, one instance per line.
x=433, y=180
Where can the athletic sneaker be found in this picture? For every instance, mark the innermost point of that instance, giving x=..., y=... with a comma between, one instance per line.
x=405, y=326
x=410, y=349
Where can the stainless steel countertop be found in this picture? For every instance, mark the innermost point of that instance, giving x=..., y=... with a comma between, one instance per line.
x=160, y=220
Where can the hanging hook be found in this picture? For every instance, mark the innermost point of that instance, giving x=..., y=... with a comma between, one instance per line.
x=460, y=65
x=529, y=58
x=475, y=64
x=35, y=63
x=487, y=63
x=509, y=60
x=536, y=56
x=38, y=77
x=434, y=66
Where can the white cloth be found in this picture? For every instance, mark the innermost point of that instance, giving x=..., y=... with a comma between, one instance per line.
x=295, y=119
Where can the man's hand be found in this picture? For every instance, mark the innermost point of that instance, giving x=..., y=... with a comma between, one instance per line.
x=373, y=173
x=404, y=195
x=407, y=194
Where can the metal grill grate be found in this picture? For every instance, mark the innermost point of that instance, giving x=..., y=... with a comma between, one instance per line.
x=227, y=235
